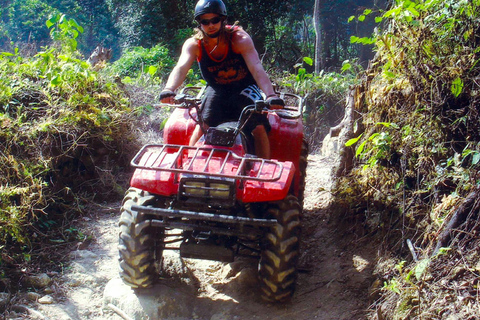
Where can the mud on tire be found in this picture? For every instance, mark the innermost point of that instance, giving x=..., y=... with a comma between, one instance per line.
x=280, y=251
x=137, y=241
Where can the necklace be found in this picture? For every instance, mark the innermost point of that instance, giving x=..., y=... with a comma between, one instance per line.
x=216, y=46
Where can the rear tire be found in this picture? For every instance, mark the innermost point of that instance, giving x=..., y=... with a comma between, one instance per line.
x=280, y=251
x=137, y=252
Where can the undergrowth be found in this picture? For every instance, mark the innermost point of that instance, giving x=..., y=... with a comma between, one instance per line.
x=417, y=148
x=324, y=95
x=66, y=137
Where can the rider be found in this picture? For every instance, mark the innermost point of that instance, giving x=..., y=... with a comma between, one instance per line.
x=230, y=65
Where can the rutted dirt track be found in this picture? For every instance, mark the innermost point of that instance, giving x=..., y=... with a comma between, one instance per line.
x=335, y=274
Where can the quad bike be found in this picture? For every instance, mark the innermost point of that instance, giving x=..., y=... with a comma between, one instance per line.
x=216, y=200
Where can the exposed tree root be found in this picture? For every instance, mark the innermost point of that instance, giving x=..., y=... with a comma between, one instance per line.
x=470, y=205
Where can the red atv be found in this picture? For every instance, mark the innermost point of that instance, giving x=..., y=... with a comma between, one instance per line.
x=225, y=201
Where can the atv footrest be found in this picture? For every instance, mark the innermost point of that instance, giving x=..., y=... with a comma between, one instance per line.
x=206, y=251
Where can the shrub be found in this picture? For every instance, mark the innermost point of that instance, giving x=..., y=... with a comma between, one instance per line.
x=138, y=60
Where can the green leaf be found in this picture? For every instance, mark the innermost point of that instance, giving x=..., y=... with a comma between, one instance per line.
x=164, y=122
x=152, y=70
x=361, y=18
x=52, y=21
x=75, y=34
x=49, y=23
x=346, y=66
x=413, y=11
x=367, y=11
x=388, y=124
x=56, y=81
x=360, y=149
x=354, y=39
x=378, y=19
x=73, y=23
x=443, y=251
x=457, y=87
x=351, y=18
x=308, y=61
x=389, y=74
x=420, y=268
x=352, y=141
x=373, y=136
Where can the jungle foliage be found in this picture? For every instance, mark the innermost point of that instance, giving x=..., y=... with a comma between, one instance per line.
x=66, y=136
x=417, y=149
x=69, y=129
x=282, y=30
x=23, y=24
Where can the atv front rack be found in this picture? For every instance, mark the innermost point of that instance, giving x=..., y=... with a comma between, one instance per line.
x=206, y=161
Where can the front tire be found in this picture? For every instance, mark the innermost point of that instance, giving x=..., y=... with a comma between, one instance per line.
x=137, y=252
x=280, y=251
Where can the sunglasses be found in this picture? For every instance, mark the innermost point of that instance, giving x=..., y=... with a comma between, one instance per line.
x=206, y=22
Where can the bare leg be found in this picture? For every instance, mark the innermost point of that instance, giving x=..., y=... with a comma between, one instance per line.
x=262, y=144
x=197, y=134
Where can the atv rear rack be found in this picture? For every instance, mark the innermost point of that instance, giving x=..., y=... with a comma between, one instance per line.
x=206, y=161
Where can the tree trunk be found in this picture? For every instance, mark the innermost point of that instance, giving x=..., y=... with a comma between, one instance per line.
x=318, y=36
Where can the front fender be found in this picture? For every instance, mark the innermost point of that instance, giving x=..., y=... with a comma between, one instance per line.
x=261, y=191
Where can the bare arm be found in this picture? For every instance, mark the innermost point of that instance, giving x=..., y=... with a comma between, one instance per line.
x=243, y=44
x=179, y=72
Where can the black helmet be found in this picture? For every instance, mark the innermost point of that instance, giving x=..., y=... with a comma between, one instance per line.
x=210, y=6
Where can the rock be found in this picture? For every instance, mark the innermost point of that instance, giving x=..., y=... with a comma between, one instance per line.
x=46, y=300
x=48, y=290
x=73, y=283
x=33, y=296
x=99, y=54
x=157, y=302
x=39, y=281
x=329, y=146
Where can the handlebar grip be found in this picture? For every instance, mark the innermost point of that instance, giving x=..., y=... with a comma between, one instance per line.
x=260, y=105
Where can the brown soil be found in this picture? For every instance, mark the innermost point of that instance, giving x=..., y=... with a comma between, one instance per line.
x=335, y=271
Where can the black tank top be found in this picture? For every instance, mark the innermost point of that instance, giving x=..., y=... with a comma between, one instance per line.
x=230, y=73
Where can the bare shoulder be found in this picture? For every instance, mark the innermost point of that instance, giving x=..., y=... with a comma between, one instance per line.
x=241, y=41
x=191, y=45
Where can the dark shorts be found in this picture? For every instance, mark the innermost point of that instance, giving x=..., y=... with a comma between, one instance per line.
x=221, y=106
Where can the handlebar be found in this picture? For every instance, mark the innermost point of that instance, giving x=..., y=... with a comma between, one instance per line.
x=181, y=101
x=191, y=97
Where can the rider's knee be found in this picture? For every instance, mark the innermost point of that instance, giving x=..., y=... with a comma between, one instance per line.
x=259, y=130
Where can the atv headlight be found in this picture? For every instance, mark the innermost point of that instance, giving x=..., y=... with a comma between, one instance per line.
x=195, y=188
x=219, y=190
x=209, y=188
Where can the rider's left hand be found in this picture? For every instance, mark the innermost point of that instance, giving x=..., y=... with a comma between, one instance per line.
x=167, y=96
x=275, y=103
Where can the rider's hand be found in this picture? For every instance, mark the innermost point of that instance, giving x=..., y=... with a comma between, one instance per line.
x=167, y=96
x=275, y=103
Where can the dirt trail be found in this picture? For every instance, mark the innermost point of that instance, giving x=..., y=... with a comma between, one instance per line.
x=335, y=273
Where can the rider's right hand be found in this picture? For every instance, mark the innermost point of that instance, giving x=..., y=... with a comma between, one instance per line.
x=167, y=96
x=275, y=103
